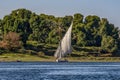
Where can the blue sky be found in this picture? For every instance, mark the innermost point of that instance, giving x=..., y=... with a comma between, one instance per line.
x=109, y=9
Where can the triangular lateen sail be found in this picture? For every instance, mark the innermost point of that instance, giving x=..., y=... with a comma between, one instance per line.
x=64, y=47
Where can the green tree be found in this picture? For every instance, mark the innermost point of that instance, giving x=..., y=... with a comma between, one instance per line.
x=34, y=25
x=91, y=29
x=18, y=21
x=79, y=35
x=45, y=29
x=8, y=24
x=53, y=37
x=104, y=25
x=21, y=14
x=23, y=28
x=78, y=18
x=109, y=32
x=109, y=44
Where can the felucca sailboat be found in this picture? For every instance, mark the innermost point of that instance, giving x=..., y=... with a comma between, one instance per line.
x=64, y=47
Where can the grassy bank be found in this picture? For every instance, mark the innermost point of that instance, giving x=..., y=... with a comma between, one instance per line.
x=45, y=52
x=26, y=57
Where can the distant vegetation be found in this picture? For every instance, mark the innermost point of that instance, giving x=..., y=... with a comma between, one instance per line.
x=26, y=32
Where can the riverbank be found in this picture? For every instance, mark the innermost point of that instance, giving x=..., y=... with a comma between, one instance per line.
x=10, y=57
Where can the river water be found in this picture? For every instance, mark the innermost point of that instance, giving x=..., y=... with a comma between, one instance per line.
x=59, y=71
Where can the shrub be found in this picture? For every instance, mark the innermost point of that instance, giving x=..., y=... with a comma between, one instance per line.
x=22, y=51
x=40, y=54
x=11, y=41
x=31, y=52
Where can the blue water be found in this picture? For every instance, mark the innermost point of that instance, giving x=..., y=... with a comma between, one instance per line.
x=59, y=71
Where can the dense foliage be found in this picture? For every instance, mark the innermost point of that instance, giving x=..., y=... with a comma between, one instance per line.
x=87, y=31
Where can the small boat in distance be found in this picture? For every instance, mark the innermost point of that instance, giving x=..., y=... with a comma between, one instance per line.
x=18, y=61
x=64, y=47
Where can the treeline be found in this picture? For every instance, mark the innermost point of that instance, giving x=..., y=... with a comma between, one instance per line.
x=22, y=25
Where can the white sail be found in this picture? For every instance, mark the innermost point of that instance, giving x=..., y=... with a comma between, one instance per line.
x=64, y=47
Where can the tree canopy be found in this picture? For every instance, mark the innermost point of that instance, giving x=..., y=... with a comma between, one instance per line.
x=87, y=31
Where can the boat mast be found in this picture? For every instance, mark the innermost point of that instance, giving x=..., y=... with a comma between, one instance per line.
x=60, y=38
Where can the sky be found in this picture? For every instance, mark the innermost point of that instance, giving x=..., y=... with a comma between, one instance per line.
x=109, y=9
